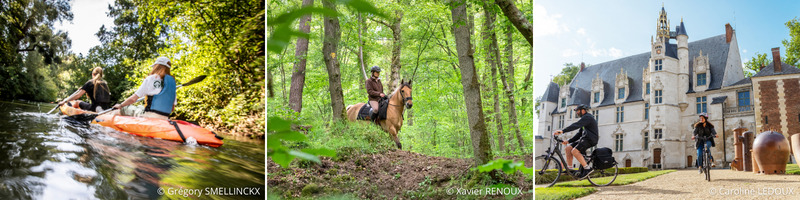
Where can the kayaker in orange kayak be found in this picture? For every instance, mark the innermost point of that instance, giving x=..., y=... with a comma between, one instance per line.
x=159, y=88
x=97, y=91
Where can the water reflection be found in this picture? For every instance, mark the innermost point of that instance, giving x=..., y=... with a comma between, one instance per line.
x=47, y=157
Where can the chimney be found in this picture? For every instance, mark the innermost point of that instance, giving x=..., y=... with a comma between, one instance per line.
x=728, y=32
x=582, y=66
x=776, y=59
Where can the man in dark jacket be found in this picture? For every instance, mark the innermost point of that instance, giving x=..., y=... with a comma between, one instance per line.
x=374, y=91
x=586, y=138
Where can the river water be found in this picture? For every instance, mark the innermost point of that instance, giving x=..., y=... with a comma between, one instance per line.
x=49, y=157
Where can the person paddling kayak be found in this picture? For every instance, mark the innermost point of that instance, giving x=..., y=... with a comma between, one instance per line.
x=97, y=91
x=159, y=88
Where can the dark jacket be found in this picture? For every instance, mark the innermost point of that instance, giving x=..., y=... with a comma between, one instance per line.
x=588, y=129
x=703, y=131
x=374, y=88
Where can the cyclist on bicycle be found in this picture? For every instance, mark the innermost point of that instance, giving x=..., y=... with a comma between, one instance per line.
x=703, y=130
x=586, y=138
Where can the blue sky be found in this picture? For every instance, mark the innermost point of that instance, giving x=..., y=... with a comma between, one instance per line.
x=599, y=31
x=88, y=16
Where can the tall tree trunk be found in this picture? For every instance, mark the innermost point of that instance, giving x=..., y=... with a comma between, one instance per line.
x=517, y=18
x=397, y=42
x=361, y=45
x=329, y=47
x=489, y=36
x=299, y=73
x=508, y=85
x=462, y=30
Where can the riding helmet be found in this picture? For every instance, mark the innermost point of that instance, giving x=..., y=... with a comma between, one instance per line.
x=375, y=69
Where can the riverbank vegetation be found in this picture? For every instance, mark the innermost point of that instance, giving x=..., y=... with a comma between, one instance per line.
x=221, y=39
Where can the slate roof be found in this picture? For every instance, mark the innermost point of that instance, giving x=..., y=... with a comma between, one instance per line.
x=742, y=82
x=714, y=47
x=681, y=29
x=718, y=100
x=551, y=93
x=769, y=70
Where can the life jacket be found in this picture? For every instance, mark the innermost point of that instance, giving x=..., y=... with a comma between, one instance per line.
x=162, y=102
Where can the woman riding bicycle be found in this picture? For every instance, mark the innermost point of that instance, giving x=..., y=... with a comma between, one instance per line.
x=703, y=133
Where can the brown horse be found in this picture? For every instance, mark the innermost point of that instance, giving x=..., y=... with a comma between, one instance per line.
x=394, y=112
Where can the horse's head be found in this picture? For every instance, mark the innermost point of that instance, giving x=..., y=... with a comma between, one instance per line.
x=405, y=93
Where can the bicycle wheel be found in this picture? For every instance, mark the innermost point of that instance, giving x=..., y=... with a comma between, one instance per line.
x=707, y=166
x=603, y=177
x=549, y=172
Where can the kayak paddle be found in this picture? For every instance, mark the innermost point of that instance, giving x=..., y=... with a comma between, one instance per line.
x=54, y=108
x=88, y=117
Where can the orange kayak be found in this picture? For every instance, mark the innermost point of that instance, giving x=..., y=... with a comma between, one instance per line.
x=148, y=127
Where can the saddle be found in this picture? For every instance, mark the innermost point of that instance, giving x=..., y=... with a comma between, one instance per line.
x=365, y=114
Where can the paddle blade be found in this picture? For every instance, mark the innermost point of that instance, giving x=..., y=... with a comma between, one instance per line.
x=195, y=80
x=83, y=117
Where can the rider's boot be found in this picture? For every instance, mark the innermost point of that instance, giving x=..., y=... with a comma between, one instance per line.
x=700, y=169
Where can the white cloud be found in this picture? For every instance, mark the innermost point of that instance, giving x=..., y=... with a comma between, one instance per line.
x=581, y=31
x=614, y=52
x=569, y=53
x=744, y=50
x=545, y=24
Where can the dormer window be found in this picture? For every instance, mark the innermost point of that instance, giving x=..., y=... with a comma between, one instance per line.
x=621, y=93
x=658, y=64
x=563, y=102
x=701, y=79
x=596, y=97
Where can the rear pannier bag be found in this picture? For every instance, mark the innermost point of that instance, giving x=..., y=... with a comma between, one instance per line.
x=603, y=158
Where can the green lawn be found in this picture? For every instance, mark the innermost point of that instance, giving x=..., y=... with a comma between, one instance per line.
x=558, y=193
x=792, y=169
x=576, y=189
x=622, y=179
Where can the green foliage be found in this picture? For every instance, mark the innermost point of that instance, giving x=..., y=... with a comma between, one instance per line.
x=793, y=44
x=280, y=130
x=792, y=169
x=30, y=50
x=506, y=166
x=283, y=32
x=752, y=66
x=350, y=138
x=567, y=74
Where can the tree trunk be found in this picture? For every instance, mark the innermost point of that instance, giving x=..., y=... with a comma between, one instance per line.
x=462, y=30
x=517, y=18
x=508, y=85
x=329, y=47
x=361, y=46
x=299, y=73
x=489, y=37
x=394, y=74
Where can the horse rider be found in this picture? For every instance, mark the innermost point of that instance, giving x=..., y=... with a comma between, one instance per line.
x=374, y=91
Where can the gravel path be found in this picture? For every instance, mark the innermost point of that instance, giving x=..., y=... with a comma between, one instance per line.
x=688, y=184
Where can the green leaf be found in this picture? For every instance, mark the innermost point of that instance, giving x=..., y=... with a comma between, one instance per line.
x=304, y=156
x=293, y=15
x=282, y=158
x=277, y=124
x=320, y=152
x=363, y=6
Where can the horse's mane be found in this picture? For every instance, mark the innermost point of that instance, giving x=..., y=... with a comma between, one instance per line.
x=397, y=89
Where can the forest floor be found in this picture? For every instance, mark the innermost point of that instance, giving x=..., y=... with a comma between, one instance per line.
x=393, y=174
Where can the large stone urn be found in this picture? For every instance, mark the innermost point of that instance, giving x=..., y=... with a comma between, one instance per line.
x=796, y=146
x=771, y=152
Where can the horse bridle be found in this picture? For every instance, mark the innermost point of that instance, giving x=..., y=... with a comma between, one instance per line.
x=403, y=96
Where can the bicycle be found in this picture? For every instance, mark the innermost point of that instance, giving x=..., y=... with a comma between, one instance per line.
x=706, y=165
x=596, y=178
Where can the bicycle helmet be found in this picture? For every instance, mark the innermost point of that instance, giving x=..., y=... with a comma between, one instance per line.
x=375, y=69
x=704, y=115
x=582, y=106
